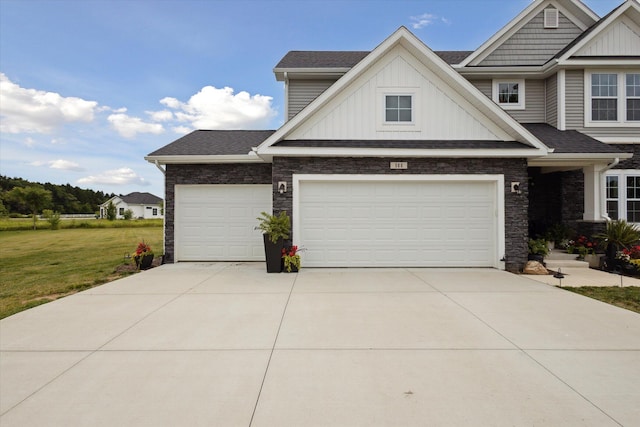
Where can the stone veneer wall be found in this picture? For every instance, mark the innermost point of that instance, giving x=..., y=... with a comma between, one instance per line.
x=516, y=205
x=205, y=174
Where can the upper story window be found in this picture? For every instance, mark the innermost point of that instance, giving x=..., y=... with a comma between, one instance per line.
x=398, y=108
x=633, y=96
x=509, y=94
x=612, y=99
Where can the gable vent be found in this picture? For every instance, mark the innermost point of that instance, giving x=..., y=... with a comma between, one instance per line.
x=551, y=18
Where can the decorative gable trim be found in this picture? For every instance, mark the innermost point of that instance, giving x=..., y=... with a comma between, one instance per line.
x=630, y=6
x=574, y=10
x=424, y=57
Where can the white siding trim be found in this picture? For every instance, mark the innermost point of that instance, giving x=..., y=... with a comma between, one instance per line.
x=562, y=119
x=495, y=178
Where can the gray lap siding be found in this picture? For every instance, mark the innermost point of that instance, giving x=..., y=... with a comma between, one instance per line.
x=205, y=174
x=516, y=205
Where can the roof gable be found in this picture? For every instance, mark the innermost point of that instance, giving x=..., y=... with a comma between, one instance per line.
x=617, y=34
x=574, y=12
x=403, y=61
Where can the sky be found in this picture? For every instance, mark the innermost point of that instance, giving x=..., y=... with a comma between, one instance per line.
x=89, y=87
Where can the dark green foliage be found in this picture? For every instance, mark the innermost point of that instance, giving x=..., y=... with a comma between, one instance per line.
x=65, y=199
x=111, y=211
x=620, y=233
x=275, y=226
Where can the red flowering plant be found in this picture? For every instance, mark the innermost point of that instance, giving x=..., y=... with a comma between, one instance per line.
x=291, y=258
x=141, y=251
x=630, y=255
x=582, y=245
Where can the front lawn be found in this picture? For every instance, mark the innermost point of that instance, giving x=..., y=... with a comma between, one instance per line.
x=628, y=297
x=40, y=266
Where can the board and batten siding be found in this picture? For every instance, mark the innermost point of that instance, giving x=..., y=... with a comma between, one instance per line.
x=302, y=92
x=551, y=88
x=357, y=111
x=620, y=40
x=534, y=111
x=533, y=44
x=574, y=104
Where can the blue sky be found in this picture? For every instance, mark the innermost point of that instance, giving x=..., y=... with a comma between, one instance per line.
x=89, y=87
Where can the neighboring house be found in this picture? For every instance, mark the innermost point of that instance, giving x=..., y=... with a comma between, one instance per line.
x=407, y=157
x=142, y=205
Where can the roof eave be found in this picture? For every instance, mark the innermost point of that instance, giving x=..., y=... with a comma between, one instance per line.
x=577, y=159
x=274, y=151
x=200, y=159
x=283, y=73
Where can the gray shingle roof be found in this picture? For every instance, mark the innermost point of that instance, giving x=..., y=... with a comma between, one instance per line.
x=568, y=141
x=347, y=59
x=214, y=142
x=141, y=199
x=424, y=145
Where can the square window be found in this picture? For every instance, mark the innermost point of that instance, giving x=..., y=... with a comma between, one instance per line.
x=509, y=94
x=604, y=109
x=398, y=108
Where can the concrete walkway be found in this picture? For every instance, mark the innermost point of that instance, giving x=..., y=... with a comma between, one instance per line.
x=576, y=277
x=229, y=345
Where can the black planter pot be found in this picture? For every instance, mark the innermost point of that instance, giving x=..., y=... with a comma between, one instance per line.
x=273, y=253
x=144, y=262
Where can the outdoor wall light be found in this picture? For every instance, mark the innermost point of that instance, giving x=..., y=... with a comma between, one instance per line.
x=515, y=187
x=282, y=187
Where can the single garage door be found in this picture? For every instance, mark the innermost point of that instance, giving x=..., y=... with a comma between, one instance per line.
x=398, y=223
x=217, y=222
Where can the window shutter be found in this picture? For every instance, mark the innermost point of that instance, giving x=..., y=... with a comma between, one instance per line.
x=551, y=18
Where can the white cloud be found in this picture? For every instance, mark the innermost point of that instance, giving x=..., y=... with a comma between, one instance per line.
x=36, y=111
x=122, y=176
x=29, y=142
x=65, y=165
x=129, y=127
x=58, y=164
x=214, y=108
x=160, y=116
x=181, y=130
x=426, y=19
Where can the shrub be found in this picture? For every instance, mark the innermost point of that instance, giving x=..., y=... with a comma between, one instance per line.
x=128, y=214
x=52, y=217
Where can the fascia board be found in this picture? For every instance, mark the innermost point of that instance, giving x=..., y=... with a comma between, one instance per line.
x=400, y=152
x=414, y=45
x=502, y=33
x=576, y=159
x=611, y=18
x=328, y=94
x=308, y=72
x=520, y=20
x=602, y=62
x=178, y=159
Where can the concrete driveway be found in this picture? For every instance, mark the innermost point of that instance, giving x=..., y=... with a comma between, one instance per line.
x=229, y=345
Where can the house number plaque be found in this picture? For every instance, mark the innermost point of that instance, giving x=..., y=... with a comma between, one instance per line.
x=398, y=165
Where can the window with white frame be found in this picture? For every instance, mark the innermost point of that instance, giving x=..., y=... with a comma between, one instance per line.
x=509, y=94
x=155, y=211
x=632, y=88
x=398, y=109
x=623, y=195
x=612, y=99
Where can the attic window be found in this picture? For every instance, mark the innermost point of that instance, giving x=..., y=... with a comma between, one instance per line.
x=551, y=18
x=398, y=108
x=509, y=94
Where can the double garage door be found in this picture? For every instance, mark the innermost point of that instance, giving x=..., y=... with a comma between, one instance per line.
x=350, y=222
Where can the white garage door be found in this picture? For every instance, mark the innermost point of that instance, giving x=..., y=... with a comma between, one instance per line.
x=217, y=222
x=398, y=223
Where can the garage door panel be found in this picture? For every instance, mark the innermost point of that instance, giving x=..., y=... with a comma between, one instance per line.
x=382, y=223
x=217, y=222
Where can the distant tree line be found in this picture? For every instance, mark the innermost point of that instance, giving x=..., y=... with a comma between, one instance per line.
x=20, y=196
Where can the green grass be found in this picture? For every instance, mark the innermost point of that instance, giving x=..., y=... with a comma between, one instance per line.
x=42, y=265
x=628, y=297
x=15, y=224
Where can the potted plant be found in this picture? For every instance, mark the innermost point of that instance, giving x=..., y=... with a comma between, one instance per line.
x=291, y=259
x=143, y=256
x=275, y=229
x=538, y=249
x=619, y=234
